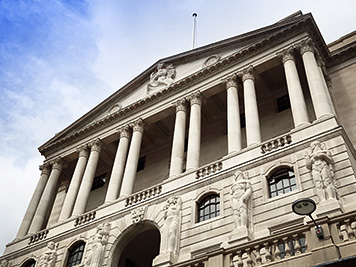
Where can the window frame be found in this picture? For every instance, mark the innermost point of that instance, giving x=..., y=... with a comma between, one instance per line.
x=202, y=205
x=272, y=184
x=81, y=247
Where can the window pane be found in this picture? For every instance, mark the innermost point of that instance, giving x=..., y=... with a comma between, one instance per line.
x=208, y=208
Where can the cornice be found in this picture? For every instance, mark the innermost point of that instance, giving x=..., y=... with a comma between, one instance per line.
x=186, y=82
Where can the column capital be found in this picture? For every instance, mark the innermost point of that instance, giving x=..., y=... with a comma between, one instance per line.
x=196, y=98
x=45, y=169
x=138, y=125
x=248, y=73
x=83, y=151
x=181, y=105
x=124, y=132
x=96, y=145
x=231, y=81
x=287, y=54
x=306, y=46
x=58, y=164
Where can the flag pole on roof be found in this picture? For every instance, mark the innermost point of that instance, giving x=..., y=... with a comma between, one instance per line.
x=194, y=41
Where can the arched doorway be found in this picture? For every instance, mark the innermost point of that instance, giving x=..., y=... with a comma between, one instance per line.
x=137, y=246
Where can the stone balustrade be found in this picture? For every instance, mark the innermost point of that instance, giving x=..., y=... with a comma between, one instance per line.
x=209, y=169
x=276, y=143
x=38, y=237
x=143, y=195
x=85, y=218
x=347, y=229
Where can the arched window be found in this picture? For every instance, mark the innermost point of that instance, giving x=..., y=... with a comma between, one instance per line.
x=281, y=181
x=75, y=254
x=209, y=207
x=30, y=263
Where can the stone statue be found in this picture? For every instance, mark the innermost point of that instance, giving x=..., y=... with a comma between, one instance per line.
x=96, y=255
x=319, y=162
x=240, y=194
x=48, y=258
x=172, y=211
x=163, y=76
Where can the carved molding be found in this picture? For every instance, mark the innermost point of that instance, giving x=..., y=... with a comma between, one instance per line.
x=248, y=73
x=306, y=46
x=83, y=151
x=196, y=98
x=138, y=125
x=230, y=81
x=138, y=214
x=45, y=169
x=287, y=54
x=96, y=145
x=211, y=60
x=181, y=105
x=58, y=164
x=125, y=132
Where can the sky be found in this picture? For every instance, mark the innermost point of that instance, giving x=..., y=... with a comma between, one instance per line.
x=60, y=58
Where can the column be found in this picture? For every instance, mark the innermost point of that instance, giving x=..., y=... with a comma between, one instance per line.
x=296, y=97
x=30, y=212
x=316, y=82
x=233, y=115
x=119, y=165
x=74, y=185
x=177, y=157
x=326, y=82
x=253, y=132
x=47, y=196
x=88, y=177
x=132, y=158
x=194, y=137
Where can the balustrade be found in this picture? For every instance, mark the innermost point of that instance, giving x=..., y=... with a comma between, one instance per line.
x=209, y=169
x=143, y=195
x=38, y=237
x=276, y=143
x=85, y=218
x=347, y=230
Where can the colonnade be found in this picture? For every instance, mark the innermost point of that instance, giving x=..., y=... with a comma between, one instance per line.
x=125, y=163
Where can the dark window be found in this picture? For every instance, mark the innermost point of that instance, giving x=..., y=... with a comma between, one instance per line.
x=281, y=182
x=30, y=263
x=98, y=182
x=242, y=120
x=186, y=144
x=209, y=207
x=75, y=254
x=283, y=103
x=292, y=247
x=141, y=163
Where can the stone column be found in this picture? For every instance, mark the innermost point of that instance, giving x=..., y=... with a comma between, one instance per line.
x=253, y=132
x=296, y=97
x=30, y=212
x=316, y=82
x=119, y=165
x=132, y=158
x=233, y=115
x=177, y=157
x=88, y=177
x=74, y=185
x=194, y=137
x=47, y=196
x=321, y=65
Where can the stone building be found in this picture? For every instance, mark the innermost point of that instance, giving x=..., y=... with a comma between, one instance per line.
x=197, y=161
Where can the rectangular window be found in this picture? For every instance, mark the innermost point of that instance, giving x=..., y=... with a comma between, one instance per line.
x=98, y=182
x=141, y=163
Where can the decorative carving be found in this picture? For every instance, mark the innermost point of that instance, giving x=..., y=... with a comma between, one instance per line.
x=138, y=214
x=319, y=162
x=163, y=76
x=4, y=263
x=230, y=81
x=306, y=46
x=287, y=54
x=45, y=169
x=196, y=98
x=211, y=60
x=83, y=151
x=125, y=132
x=240, y=195
x=171, y=228
x=114, y=108
x=138, y=125
x=58, y=164
x=248, y=73
x=96, y=255
x=181, y=105
x=96, y=145
x=49, y=257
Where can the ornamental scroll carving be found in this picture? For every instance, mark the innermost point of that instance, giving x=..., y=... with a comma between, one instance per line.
x=172, y=225
x=319, y=162
x=4, y=263
x=49, y=257
x=163, y=76
x=101, y=238
x=240, y=195
x=137, y=215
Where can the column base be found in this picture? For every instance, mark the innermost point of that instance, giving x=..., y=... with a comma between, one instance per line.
x=165, y=259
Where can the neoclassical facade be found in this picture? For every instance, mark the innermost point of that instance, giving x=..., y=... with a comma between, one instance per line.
x=197, y=161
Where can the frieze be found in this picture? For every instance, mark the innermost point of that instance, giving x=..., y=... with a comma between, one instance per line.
x=211, y=60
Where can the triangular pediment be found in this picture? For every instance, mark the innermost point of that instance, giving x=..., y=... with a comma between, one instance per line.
x=171, y=70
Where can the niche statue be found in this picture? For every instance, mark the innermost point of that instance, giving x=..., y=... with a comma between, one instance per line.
x=95, y=256
x=48, y=258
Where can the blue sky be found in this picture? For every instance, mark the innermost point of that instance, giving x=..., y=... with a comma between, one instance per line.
x=58, y=59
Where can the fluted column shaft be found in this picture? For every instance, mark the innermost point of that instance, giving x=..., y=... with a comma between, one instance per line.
x=119, y=165
x=74, y=185
x=194, y=137
x=88, y=177
x=296, y=97
x=47, y=197
x=233, y=115
x=253, y=131
x=318, y=90
x=36, y=197
x=177, y=158
x=132, y=158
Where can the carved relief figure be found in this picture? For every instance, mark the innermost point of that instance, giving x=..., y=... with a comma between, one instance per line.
x=319, y=162
x=172, y=216
x=4, y=263
x=163, y=76
x=240, y=194
x=48, y=258
x=96, y=255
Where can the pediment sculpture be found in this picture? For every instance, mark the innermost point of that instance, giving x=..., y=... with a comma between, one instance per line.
x=162, y=77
